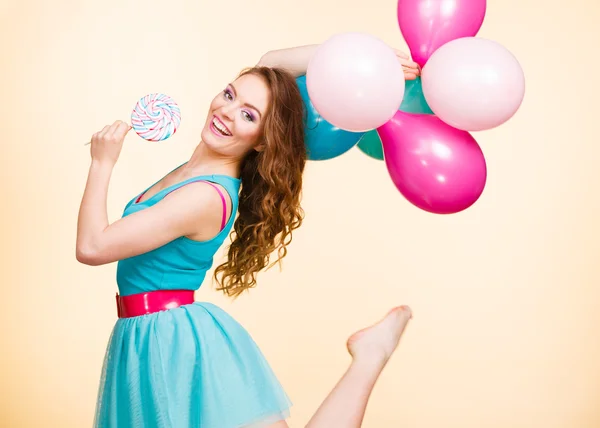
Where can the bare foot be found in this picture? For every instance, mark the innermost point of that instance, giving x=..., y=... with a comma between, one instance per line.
x=378, y=342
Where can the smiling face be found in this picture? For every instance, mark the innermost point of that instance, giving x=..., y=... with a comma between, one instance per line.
x=235, y=121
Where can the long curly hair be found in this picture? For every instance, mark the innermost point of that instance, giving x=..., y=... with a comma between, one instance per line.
x=269, y=202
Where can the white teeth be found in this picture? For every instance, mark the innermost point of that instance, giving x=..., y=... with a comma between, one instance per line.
x=220, y=127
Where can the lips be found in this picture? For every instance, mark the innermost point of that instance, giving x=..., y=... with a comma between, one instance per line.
x=219, y=127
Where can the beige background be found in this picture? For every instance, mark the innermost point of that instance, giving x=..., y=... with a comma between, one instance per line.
x=505, y=295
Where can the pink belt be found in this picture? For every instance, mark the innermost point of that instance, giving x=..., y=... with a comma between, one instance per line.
x=135, y=305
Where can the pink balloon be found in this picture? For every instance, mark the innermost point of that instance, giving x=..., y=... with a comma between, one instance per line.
x=473, y=84
x=355, y=82
x=428, y=24
x=437, y=168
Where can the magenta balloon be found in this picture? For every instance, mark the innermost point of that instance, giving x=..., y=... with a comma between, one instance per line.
x=436, y=167
x=428, y=24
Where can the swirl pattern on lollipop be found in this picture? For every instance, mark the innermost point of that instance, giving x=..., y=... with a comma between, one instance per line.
x=156, y=117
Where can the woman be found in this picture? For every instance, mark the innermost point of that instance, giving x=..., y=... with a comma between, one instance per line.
x=173, y=362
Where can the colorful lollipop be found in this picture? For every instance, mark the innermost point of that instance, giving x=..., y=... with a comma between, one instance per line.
x=155, y=117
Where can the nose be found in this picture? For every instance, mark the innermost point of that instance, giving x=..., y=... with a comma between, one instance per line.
x=228, y=110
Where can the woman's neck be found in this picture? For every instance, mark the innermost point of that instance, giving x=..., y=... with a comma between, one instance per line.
x=205, y=161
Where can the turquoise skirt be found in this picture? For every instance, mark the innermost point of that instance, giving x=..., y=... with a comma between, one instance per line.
x=192, y=366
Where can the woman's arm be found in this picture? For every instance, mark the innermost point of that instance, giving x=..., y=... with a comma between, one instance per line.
x=93, y=216
x=194, y=209
x=190, y=210
x=296, y=60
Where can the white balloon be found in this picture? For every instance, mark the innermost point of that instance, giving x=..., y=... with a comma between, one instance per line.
x=355, y=82
x=473, y=84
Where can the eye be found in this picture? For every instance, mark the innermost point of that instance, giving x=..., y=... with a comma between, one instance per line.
x=228, y=95
x=247, y=116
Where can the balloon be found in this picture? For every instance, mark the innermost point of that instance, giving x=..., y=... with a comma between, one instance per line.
x=355, y=81
x=473, y=84
x=428, y=24
x=437, y=168
x=370, y=145
x=413, y=102
x=323, y=140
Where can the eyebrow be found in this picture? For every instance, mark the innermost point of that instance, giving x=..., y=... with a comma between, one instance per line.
x=246, y=104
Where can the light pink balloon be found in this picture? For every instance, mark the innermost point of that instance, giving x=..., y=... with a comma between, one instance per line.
x=436, y=167
x=473, y=84
x=355, y=82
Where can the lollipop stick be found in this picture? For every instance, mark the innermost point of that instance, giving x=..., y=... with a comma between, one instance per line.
x=89, y=142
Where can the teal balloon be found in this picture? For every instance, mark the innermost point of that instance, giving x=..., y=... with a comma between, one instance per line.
x=413, y=102
x=323, y=140
x=370, y=144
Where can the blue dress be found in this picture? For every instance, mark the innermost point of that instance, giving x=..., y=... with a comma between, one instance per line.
x=192, y=366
